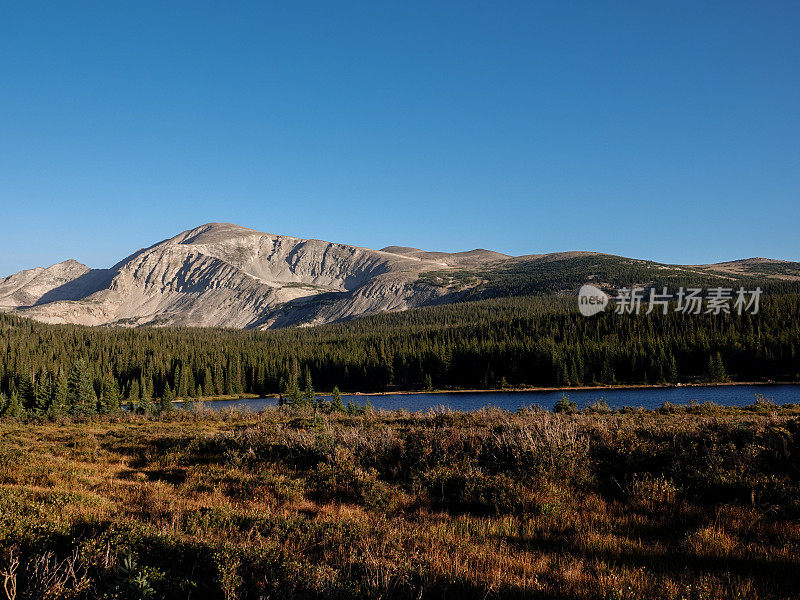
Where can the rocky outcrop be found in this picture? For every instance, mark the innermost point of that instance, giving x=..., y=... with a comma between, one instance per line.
x=225, y=275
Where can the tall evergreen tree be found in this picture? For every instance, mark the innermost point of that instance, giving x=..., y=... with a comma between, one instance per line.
x=59, y=402
x=134, y=394
x=237, y=377
x=193, y=392
x=183, y=381
x=26, y=392
x=13, y=407
x=336, y=400
x=165, y=406
x=716, y=368
x=219, y=380
x=148, y=389
x=295, y=396
x=146, y=404
x=672, y=368
x=44, y=393
x=428, y=381
x=109, y=395
x=81, y=399
x=308, y=387
x=208, y=383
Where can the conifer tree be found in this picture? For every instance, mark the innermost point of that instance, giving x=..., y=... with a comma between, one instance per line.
x=606, y=371
x=13, y=408
x=59, y=402
x=672, y=368
x=336, y=400
x=193, y=387
x=308, y=387
x=295, y=396
x=428, y=381
x=134, y=394
x=488, y=378
x=147, y=387
x=716, y=368
x=564, y=405
x=81, y=399
x=26, y=392
x=219, y=380
x=183, y=381
x=228, y=377
x=167, y=397
x=44, y=394
x=146, y=404
x=235, y=378
x=109, y=395
x=208, y=383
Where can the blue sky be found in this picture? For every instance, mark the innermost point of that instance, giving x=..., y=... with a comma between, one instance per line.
x=663, y=130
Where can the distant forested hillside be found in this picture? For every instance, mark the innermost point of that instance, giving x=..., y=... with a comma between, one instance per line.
x=532, y=341
x=549, y=274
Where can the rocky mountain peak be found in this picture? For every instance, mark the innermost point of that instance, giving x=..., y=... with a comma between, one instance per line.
x=222, y=274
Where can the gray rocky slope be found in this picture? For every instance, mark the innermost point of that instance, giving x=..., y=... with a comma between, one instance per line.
x=225, y=275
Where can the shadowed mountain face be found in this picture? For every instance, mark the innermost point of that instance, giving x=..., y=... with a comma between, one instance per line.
x=225, y=275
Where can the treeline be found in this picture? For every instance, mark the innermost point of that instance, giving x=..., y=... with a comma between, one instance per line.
x=522, y=277
x=531, y=341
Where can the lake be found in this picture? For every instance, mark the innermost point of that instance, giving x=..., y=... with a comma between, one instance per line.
x=737, y=395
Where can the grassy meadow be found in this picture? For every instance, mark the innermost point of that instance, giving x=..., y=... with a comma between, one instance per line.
x=679, y=503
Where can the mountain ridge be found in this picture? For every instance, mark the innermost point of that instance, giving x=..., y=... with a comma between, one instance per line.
x=226, y=275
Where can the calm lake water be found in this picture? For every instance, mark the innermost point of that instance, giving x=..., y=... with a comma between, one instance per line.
x=738, y=395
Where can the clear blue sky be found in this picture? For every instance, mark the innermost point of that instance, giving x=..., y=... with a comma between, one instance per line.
x=664, y=130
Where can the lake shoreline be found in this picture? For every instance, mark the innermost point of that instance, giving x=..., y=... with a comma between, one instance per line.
x=573, y=388
x=515, y=390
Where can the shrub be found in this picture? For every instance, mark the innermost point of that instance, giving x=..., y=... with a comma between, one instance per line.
x=565, y=405
x=463, y=488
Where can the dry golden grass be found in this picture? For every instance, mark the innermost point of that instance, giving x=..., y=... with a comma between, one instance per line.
x=642, y=505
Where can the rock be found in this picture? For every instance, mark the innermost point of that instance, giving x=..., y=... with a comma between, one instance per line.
x=225, y=275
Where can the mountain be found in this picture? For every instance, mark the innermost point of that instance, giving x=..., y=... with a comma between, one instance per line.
x=225, y=275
